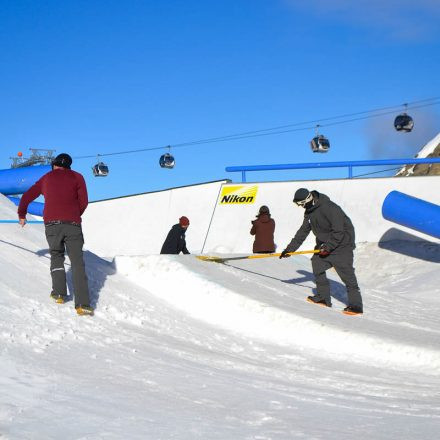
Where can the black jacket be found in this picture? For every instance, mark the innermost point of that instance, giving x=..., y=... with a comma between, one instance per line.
x=175, y=241
x=331, y=226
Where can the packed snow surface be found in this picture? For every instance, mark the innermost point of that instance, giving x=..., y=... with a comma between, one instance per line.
x=186, y=349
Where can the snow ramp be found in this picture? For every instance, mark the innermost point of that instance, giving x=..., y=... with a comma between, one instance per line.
x=265, y=299
x=197, y=350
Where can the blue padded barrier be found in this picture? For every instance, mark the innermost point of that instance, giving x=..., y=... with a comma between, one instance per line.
x=34, y=208
x=19, y=180
x=412, y=212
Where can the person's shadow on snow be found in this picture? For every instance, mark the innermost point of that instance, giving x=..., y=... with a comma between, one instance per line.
x=97, y=270
x=337, y=289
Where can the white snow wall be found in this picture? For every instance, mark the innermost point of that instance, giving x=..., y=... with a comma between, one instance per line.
x=137, y=225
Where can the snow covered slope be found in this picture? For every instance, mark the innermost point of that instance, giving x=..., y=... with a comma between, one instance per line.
x=185, y=349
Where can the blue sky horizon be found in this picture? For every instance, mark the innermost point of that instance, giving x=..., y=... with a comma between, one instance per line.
x=101, y=77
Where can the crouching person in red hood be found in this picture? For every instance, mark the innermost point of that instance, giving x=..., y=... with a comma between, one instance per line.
x=175, y=242
x=65, y=200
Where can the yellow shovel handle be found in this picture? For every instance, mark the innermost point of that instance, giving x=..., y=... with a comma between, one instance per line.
x=278, y=254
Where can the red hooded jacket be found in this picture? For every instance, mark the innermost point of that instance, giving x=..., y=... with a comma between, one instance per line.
x=263, y=228
x=65, y=196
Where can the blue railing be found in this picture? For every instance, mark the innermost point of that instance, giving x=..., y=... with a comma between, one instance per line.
x=348, y=164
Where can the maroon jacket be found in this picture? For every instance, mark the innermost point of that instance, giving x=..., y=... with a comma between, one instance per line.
x=263, y=228
x=65, y=196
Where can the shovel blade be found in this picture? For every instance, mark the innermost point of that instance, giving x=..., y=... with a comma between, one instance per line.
x=209, y=258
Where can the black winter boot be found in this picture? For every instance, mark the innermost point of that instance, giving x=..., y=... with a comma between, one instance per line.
x=316, y=299
x=353, y=310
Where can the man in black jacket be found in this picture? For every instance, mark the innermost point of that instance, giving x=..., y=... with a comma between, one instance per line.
x=175, y=241
x=335, y=240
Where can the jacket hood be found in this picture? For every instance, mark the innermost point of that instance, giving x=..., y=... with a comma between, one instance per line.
x=263, y=217
x=319, y=199
x=179, y=227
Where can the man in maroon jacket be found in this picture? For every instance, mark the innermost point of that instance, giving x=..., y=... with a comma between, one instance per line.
x=65, y=197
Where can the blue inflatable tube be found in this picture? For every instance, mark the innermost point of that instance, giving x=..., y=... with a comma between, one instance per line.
x=19, y=180
x=412, y=212
x=34, y=208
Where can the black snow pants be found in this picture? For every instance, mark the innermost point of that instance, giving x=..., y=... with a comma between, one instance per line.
x=343, y=264
x=63, y=237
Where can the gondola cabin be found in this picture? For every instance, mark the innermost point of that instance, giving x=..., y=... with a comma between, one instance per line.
x=167, y=161
x=320, y=144
x=404, y=122
x=100, y=169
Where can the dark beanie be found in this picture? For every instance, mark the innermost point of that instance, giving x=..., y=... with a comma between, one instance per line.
x=183, y=221
x=301, y=194
x=62, y=160
x=264, y=210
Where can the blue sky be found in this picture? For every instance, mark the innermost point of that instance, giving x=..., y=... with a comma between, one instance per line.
x=97, y=77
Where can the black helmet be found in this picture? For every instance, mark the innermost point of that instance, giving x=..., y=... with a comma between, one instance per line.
x=62, y=160
x=264, y=210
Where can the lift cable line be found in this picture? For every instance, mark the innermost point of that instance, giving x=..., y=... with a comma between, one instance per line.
x=281, y=129
x=377, y=172
x=319, y=121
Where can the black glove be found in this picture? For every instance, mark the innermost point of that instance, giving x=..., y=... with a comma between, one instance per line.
x=285, y=254
x=324, y=251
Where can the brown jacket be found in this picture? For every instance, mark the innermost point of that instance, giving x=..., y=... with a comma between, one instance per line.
x=263, y=228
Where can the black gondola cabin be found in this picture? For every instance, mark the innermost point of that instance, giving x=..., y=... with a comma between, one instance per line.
x=404, y=122
x=100, y=169
x=320, y=144
x=167, y=161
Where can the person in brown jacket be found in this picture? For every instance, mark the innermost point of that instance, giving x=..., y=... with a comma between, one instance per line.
x=263, y=228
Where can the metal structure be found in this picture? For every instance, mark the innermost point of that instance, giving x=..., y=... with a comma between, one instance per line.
x=39, y=156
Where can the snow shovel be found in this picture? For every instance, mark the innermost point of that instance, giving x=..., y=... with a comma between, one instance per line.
x=250, y=257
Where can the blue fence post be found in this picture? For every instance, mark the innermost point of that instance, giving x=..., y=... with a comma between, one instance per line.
x=243, y=176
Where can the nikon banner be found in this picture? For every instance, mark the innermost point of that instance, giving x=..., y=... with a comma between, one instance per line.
x=238, y=195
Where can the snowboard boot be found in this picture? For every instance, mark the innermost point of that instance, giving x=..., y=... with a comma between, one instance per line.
x=353, y=310
x=59, y=299
x=316, y=299
x=84, y=310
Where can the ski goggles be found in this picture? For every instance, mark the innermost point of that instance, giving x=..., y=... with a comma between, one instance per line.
x=302, y=203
